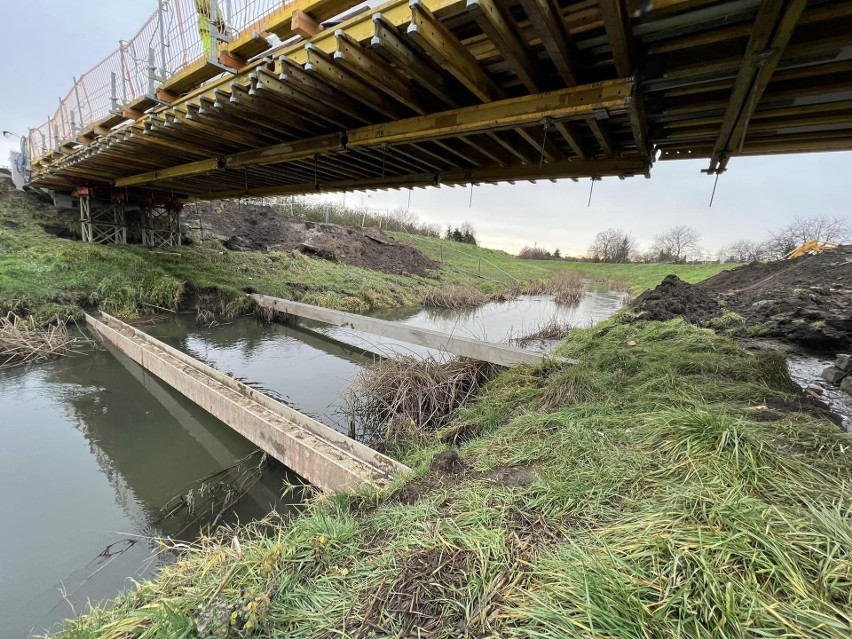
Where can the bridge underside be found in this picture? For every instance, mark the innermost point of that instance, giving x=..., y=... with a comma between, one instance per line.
x=453, y=92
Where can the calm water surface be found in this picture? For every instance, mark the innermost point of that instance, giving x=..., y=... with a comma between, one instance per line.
x=92, y=448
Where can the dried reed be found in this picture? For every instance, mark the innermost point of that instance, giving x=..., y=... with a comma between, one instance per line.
x=567, y=287
x=455, y=297
x=550, y=331
x=404, y=398
x=23, y=341
x=619, y=285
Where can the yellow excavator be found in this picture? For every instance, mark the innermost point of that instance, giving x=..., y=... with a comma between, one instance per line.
x=810, y=247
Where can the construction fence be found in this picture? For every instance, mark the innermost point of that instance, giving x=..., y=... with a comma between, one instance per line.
x=175, y=36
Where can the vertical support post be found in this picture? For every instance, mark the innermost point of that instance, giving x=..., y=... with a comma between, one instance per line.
x=152, y=72
x=55, y=136
x=73, y=124
x=85, y=218
x=113, y=107
x=162, y=29
x=120, y=221
x=122, y=48
x=214, y=31
x=62, y=117
x=79, y=106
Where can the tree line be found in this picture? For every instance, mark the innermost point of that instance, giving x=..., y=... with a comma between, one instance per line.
x=834, y=229
x=683, y=244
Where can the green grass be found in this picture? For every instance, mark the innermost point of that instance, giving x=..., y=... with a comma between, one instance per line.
x=500, y=268
x=656, y=505
x=49, y=277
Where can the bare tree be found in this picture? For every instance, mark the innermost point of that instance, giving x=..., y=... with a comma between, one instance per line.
x=745, y=251
x=613, y=245
x=468, y=230
x=804, y=229
x=676, y=245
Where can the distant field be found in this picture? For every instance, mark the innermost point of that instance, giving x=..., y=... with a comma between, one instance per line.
x=499, y=268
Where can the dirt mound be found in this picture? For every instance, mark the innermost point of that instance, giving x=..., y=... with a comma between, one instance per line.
x=806, y=301
x=251, y=227
x=675, y=298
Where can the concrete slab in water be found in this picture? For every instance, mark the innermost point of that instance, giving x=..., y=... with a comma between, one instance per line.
x=326, y=458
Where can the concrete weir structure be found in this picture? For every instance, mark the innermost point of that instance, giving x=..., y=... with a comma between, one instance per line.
x=327, y=459
x=500, y=354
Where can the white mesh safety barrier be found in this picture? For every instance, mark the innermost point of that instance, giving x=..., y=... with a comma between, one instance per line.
x=175, y=36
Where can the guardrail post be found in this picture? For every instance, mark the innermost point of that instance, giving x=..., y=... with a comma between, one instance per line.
x=79, y=106
x=113, y=97
x=122, y=47
x=161, y=28
x=152, y=72
x=62, y=117
x=55, y=136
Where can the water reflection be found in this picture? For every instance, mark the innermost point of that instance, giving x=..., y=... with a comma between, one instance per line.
x=79, y=501
x=308, y=370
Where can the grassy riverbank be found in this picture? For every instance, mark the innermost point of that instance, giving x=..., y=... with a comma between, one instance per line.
x=668, y=489
x=501, y=269
x=45, y=276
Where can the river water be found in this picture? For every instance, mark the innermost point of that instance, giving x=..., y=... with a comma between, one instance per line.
x=94, y=446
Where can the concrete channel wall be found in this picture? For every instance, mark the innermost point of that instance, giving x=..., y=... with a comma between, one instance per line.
x=324, y=457
x=500, y=354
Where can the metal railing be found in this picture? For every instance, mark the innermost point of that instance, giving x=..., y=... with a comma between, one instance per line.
x=178, y=34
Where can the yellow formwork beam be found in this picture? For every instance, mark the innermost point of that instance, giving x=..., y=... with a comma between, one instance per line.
x=574, y=103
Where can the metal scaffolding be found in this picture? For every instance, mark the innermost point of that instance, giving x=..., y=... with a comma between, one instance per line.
x=160, y=226
x=102, y=224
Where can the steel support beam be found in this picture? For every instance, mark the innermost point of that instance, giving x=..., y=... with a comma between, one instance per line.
x=529, y=172
x=773, y=27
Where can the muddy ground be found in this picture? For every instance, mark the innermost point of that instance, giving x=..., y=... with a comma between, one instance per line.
x=251, y=227
x=806, y=302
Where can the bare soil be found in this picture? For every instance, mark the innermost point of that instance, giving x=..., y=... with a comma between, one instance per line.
x=675, y=298
x=806, y=302
x=251, y=227
x=448, y=470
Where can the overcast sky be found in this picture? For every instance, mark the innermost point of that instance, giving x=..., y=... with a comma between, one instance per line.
x=755, y=196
